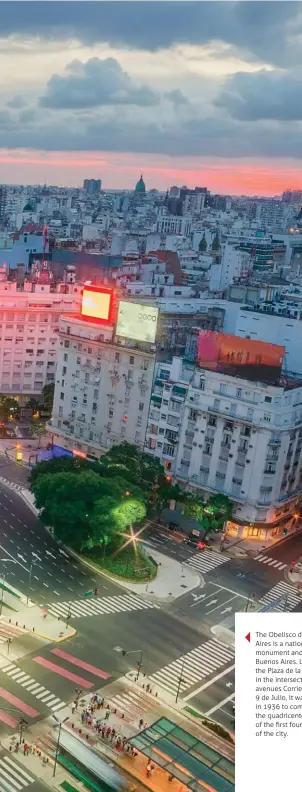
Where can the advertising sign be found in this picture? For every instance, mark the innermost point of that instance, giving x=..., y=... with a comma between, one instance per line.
x=138, y=322
x=97, y=304
x=258, y=361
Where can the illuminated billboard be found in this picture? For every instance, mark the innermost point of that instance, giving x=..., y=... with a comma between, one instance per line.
x=138, y=322
x=97, y=304
x=243, y=357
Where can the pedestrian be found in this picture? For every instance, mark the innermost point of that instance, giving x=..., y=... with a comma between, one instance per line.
x=107, y=713
x=141, y=723
x=113, y=733
x=73, y=707
x=103, y=731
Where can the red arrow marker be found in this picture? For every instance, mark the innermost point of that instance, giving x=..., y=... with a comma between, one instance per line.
x=248, y=637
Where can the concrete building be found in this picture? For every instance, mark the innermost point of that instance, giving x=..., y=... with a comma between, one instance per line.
x=92, y=186
x=29, y=327
x=166, y=410
x=277, y=323
x=173, y=224
x=102, y=388
x=243, y=439
x=233, y=263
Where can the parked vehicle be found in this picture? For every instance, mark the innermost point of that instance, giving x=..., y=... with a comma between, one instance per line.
x=194, y=539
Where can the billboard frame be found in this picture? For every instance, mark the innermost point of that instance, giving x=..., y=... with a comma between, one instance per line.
x=96, y=319
x=144, y=308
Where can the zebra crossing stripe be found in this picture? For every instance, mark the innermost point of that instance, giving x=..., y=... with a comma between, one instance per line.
x=207, y=560
x=32, y=686
x=282, y=589
x=270, y=561
x=189, y=669
x=118, y=604
x=16, y=775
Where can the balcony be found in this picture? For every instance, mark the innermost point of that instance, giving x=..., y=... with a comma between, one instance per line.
x=189, y=433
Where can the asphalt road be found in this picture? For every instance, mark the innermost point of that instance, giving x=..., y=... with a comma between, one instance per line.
x=217, y=699
x=25, y=541
x=16, y=775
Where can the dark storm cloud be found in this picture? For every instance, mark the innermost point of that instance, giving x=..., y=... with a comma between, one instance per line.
x=260, y=29
x=95, y=83
x=203, y=137
x=263, y=95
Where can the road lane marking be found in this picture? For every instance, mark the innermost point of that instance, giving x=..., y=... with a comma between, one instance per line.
x=222, y=604
x=221, y=703
x=63, y=672
x=80, y=663
x=230, y=590
x=208, y=684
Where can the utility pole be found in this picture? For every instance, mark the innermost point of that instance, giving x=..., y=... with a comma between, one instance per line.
x=180, y=680
x=60, y=723
x=22, y=723
x=2, y=594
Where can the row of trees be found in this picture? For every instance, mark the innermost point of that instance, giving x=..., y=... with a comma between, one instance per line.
x=91, y=504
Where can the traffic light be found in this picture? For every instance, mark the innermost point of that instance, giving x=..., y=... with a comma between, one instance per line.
x=96, y=591
x=284, y=531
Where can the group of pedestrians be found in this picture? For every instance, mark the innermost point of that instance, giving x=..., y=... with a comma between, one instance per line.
x=88, y=716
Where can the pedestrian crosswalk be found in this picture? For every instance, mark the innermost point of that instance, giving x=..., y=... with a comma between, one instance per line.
x=206, y=560
x=32, y=686
x=291, y=597
x=192, y=667
x=7, y=631
x=271, y=562
x=94, y=607
x=13, y=777
x=132, y=704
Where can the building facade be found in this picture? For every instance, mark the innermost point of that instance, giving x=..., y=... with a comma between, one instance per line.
x=102, y=389
x=29, y=325
x=244, y=439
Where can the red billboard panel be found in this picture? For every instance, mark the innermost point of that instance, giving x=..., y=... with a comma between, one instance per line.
x=242, y=357
x=97, y=304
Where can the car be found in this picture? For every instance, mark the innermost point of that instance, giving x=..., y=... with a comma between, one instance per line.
x=173, y=527
x=195, y=540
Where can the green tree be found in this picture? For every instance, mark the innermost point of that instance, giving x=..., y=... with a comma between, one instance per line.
x=202, y=245
x=48, y=394
x=64, y=464
x=194, y=510
x=66, y=501
x=218, y=509
x=9, y=407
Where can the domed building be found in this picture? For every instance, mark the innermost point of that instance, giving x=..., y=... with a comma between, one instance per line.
x=140, y=187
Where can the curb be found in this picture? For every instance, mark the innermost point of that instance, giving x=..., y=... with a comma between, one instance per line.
x=55, y=640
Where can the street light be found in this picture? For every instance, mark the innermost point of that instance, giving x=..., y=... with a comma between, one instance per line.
x=59, y=724
x=180, y=680
x=22, y=721
x=139, y=662
x=3, y=581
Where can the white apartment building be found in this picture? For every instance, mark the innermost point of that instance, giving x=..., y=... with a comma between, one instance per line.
x=166, y=410
x=174, y=224
x=29, y=324
x=268, y=325
x=102, y=389
x=234, y=263
x=244, y=439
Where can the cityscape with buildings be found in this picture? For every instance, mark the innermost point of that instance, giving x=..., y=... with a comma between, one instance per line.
x=150, y=388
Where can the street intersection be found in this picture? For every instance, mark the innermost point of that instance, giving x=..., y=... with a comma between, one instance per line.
x=182, y=656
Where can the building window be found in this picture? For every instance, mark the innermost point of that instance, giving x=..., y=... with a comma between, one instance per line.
x=78, y=360
x=268, y=399
x=64, y=369
x=161, y=431
x=77, y=373
x=95, y=393
x=117, y=357
x=89, y=350
x=131, y=360
x=86, y=377
x=141, y=406
x=60, y=411
x=267, y=417
x=163, y=417
x=202, y=383
x=66, y=344
x=164, y=374
x=239, y=393
x=62, y=396
x=111, y=413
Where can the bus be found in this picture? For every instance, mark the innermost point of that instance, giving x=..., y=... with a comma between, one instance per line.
x=85, y=765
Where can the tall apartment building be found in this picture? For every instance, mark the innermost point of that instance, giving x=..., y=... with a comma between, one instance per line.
x=244, y=439
x=29, y=324
x=221, y=434
x=102, y=388
x=92, y=186
x=3, y=194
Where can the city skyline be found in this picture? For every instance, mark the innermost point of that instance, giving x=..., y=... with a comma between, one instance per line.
x=187, y=93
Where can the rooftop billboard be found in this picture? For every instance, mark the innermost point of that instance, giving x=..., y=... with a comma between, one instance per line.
x=242, y=357
x=137, y=322
x=97, y=304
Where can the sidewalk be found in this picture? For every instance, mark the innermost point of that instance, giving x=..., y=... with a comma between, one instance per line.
x=173, y=579
x=32, y=620
x=293, y=575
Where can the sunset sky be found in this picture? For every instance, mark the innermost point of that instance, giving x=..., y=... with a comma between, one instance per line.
x=196, y=93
